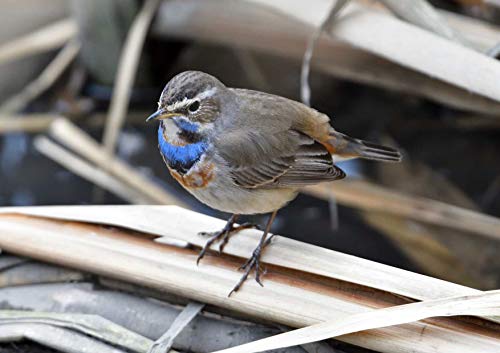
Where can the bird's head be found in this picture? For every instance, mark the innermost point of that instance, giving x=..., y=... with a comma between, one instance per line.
x=190, y=102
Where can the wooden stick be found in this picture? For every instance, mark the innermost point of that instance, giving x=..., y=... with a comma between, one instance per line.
x=78, y=141
x=47, y=38
x=370, y=197
x=288, y=297
x=87, y=171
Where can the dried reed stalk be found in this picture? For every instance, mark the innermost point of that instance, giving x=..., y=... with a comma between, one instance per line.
x=370, y=197
x=366, y=45
x=127, y=69
x=78, y=141
x=483, y=303
x=87, y=171
x=47, y=38
x=290, y=296
x=49, y=75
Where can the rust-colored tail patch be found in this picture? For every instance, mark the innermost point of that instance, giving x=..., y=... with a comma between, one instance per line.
x=348, y=147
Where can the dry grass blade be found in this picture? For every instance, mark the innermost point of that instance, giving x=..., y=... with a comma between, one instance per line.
x=355, y=52
x=305, y=90
x=370, y=197
x=32, y=273
x=494, y=51
x=389, y=37
x=165, y=342
x=40, y=122
x=127, y=69
x=423, y=14
x=80, y=167
x=26, y=123
x=44, y=39
x=46, y=79
x=91, y=325
x=487, y=303
x=60, y=339
x=473, y=33
x=77, y=140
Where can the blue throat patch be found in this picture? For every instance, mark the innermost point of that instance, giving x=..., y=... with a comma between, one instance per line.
x=186, y=125
x=181, y=158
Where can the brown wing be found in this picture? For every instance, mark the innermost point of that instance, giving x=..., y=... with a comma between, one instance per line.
x=288, y=159
x=272, y=142
x=313, y=164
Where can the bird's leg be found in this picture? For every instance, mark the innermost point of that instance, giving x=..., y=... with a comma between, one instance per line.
x=254, y=261
x=222, y=235
x=225, y=239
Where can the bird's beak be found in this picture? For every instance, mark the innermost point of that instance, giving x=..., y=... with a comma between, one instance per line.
x=161, y=115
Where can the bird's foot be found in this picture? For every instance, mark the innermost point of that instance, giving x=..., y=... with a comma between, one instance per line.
x=222, y=236
x=253, y=263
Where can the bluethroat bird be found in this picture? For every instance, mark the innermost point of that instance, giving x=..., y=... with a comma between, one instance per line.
x=248, y=152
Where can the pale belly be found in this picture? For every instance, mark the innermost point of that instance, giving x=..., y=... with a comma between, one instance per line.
x=215, y=188
x=234, y=199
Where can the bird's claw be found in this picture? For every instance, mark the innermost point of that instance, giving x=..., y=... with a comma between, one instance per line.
x=253, y=263
x=214, y=236
x=222, y=236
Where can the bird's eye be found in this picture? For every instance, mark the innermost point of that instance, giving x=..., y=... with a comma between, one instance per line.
x=193, y=107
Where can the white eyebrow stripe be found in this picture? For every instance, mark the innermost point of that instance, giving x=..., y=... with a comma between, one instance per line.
x=181, y=104
x=187, y=101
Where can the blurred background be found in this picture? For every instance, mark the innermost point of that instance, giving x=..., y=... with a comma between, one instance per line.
x=78, y=79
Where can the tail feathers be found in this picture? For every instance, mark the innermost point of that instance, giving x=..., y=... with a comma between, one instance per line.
x=347, y=147
x=376, y=152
